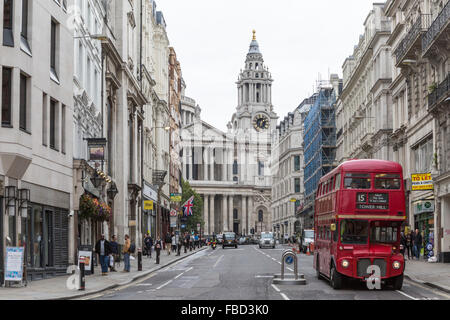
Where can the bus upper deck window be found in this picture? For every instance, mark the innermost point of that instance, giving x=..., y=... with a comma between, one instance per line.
x=387, y=181
x=357, y=181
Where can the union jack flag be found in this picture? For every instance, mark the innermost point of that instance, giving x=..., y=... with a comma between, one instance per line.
x=187, y=207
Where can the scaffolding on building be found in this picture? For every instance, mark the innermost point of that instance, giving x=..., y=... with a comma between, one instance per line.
x=319, y=143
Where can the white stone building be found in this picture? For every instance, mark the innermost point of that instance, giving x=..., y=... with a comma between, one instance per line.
x=36, y=100
x=364, y=109
x=232, y=170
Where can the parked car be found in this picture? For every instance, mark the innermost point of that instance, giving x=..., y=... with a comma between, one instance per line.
x=229, y=240
x=267, y=240
x=219, y=238
x=244, y=240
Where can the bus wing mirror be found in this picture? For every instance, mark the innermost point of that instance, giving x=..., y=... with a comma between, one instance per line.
x=333, y=227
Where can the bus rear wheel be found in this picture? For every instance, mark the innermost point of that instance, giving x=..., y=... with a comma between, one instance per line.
x=335, y=278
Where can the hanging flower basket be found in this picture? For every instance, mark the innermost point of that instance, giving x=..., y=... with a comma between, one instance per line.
x=91, y=208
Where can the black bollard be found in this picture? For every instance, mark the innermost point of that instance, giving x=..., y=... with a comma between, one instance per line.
x=82, y=277
x=140, y=260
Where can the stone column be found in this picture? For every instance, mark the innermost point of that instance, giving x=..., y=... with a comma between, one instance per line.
x=211, y=167
x=184, y=163
x=205, y=214
x=224, y=213
x=212, y=215
x=230, y=212
x=205, y=164
x=224, y=165
x=243, y=226
x=230, y=163
x=251, y=214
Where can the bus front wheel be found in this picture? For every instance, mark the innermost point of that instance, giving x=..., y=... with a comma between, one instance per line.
x=397, y=282
x=335, y=278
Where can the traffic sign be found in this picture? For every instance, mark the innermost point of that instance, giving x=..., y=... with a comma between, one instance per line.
x=289, y=260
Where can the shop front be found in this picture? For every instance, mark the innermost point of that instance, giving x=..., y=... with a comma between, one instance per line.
x=424, y=220
x=149, y=197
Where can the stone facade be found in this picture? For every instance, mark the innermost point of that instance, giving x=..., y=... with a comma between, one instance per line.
x=232, y=170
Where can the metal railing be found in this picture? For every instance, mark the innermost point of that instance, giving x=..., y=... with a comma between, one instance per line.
x=437, y=26
x=442, y=90
x=421, y=25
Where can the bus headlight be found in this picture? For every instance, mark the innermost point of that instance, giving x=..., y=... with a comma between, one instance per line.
x=345, y=263
x=396, y=265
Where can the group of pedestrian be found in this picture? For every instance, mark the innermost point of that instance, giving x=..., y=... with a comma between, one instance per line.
x=108, y=252
x=411, y=243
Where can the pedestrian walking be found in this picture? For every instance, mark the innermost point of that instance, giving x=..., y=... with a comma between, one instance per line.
x=417, y=244
x=148, y=244
x=402, y=244
x=126, y=254
x=186, y=241
x=103, y=250
x=179, y=240
x=168, y=242
x=174, y=242
x=409, y=245
x=114, y=246
x=158, y=247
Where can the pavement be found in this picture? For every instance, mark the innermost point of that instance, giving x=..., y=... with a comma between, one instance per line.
x=435, y=275
x=56, y=288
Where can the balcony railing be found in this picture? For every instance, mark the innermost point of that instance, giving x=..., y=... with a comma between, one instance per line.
x=442, y=91
x=436, y=28
x=420, y=26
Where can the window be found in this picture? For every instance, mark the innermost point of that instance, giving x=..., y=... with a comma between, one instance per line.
x=24, y=45
x=8, y=38
x=52, y=124
x=337, y=185
x=387, y=181
x=235, y=167
x=6, y=96
x=260, y=216
x=383, y=232
x=260, y=168
x=63, y=128
x=297, y=185
x=423, y=155
x=296, y=163
x=357, y=181
x=23, y=102
x=235, y=214
x=53, y=48
x=354, y=231
x=44, y=120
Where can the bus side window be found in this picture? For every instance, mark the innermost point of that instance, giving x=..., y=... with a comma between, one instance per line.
x=332, y=184
x=335, y=234
x=337, y=184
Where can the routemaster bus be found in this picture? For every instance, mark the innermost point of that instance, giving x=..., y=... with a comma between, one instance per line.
x=359, y=210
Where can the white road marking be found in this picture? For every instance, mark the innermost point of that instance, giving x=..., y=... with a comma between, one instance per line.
x=406, y=295
x=218, y=260
x=183, y=273
x=258, y=276
x=165, y=284
x=143, y=284
x=284, y=296
x=276, y=288
x=291, y=269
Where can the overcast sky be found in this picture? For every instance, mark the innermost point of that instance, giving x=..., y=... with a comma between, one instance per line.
x=300, y=40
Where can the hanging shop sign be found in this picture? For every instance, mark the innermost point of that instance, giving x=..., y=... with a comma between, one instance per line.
x=96, y=148
x=423, y=206
x=14, y=264
x=148, y=204
x=421, y=181
x=175, y=197
x=150, y=193
x=173, y=222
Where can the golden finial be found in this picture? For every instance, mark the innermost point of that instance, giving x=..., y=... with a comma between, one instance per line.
x=254, y=34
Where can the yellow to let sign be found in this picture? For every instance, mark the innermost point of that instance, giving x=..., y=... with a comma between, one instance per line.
x=293, y=199
x=148, y=205
x=421, y=181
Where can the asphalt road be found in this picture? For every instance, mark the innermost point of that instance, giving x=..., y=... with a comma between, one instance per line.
x=246, y=274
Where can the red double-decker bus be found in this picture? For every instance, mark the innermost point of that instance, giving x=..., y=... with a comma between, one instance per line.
x=359, y=210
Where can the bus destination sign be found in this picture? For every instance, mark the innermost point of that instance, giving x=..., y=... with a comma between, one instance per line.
x=379, y=198
x=372, y=206
x=372, y=201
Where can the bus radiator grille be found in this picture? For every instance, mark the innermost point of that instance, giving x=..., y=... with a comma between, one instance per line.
x=363, y=264
x=381, y=263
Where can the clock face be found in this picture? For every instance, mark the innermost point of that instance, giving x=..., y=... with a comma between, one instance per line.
x=261, y=122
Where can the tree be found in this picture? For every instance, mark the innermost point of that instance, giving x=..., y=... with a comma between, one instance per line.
x=197, y=216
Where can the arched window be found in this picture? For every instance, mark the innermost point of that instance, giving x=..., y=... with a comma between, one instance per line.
x=235, y=167
x=260, y=216
x=235, y=214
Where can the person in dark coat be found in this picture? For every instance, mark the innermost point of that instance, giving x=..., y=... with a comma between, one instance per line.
x=402, y=243
x=158, y=247
x=114, y=246
x=186, y=241
x=409, y=244
x=148, y=244
x=417, y=244
x=103, y=249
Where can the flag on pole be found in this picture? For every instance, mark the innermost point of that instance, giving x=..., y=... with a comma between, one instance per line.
x=187, y=207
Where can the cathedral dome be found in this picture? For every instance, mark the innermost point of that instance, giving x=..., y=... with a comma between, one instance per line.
x=254, y=46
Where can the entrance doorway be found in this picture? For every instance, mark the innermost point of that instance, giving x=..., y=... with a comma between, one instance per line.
x=236, y=227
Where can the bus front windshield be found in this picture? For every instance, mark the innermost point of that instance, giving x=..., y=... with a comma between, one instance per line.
x=384, y=232
x=354, y=231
